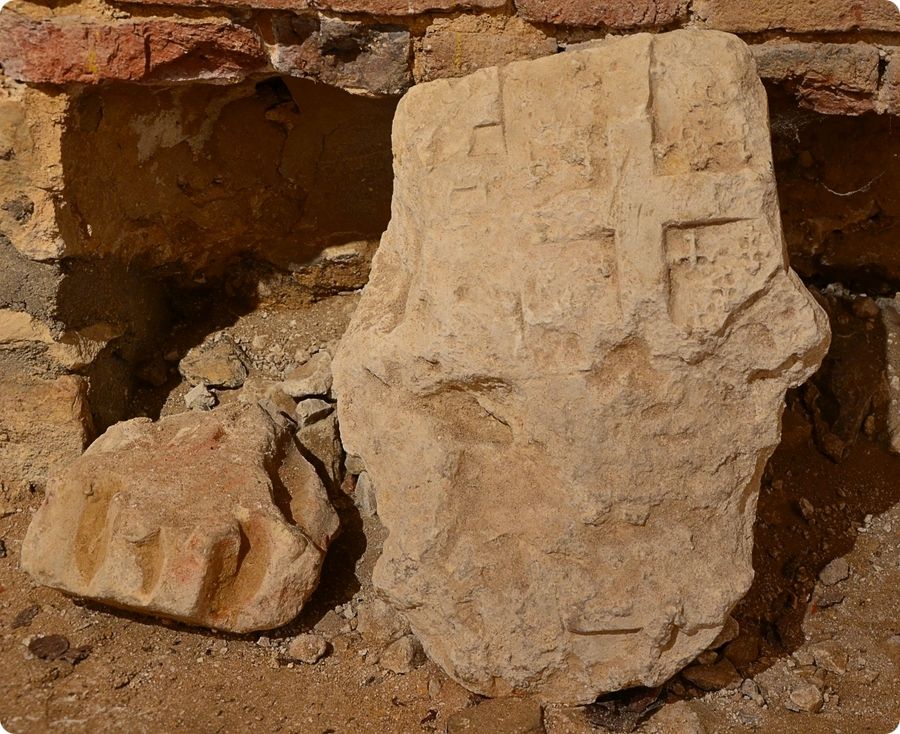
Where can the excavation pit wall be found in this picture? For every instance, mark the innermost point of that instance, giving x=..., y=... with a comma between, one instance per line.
x=147, y=207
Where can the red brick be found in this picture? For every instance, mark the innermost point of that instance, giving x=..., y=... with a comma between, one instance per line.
x=754, y=16
x=364, y=7
x=619, y=14
x=67, y=50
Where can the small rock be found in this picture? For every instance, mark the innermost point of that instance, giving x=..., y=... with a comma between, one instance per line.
x=729, y=632
x=824, y=598
x=26, y=616
x=264, y=641
x=403, y=655
x=48, y=647
x=311, y=410
x=805, y=697
x=434, y=687
x=354, y=464
x=744, y=650
x=380, y=624
x=835, y=572
x=308, y=648
x=220, y=363
x=364, y=496
x=713, y=677
x=708, y=657
x=311, y=379
x=804, y=657
x=751, y=691
x=830, y=656
x=322, y=440
x=200, y=398
x=499, y=716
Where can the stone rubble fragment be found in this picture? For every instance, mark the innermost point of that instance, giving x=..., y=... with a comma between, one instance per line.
x=200, y=397
x=219, y=362
x=402, y=656
x=890, y=317
x=805, y=697
x=567, y=371
x=311, y=379
x=321, y=442
x=213, y=518
x=312, y=410
x=835, y=572
x=307, y=648
x=364, y=496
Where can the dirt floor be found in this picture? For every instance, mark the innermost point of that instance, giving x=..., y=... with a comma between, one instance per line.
x=802, y=644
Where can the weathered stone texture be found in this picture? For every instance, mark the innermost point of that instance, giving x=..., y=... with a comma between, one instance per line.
x=69, y=49
x=458, y=46
x=890, y=316
x=211, y=518
x=754, y=16
x=44, y=424
x=566, y=373
x=619, y=14
x=833, y=78
x=370, y=59
x=362, y=7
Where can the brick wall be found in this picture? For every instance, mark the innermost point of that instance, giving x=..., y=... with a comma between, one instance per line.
x=835, y=56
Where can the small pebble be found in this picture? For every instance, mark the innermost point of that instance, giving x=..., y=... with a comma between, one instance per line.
x=308, y=648
x=835, y=572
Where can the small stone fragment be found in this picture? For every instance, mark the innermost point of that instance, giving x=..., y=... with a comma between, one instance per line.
x=311, y=410
x=713, y=677
x=354, y=464
x=835, y=572
x=380, y=624
x=827, y=597
x=216, y=363
x=26, y=616
x=311, y=379
x=830, y=656
x=805, y=697
x=308, y=648
x=750, y=689
x=200, y=397
x=213, y=518
x=48, y=647
x=403, y=655
x=322, y=441
x=744, y=650
x=499, y=716
x=364, y=496
x=729, y=632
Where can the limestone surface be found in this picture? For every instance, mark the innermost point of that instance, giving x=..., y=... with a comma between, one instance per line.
x=214, y=519
x=567, y=372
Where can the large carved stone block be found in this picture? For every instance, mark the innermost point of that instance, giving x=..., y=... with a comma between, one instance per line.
x=567, y=372
x=214, y=519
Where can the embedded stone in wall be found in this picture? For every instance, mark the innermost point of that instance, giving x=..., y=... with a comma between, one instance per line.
x=756, y=16
x=833, y=78
x=65, y=50
x=359, y=57
x=214, y=519
x=458, y=46
x=619, y=14
x=567, y=371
